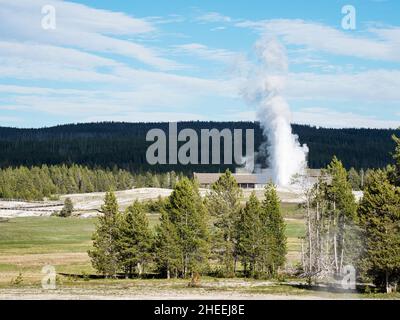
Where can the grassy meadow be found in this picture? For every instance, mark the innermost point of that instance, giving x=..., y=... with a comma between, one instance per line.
x=27, y=244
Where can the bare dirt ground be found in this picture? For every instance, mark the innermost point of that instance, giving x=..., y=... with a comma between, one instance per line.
x=88, y=204
x=45, y=258
x=230, y=289
x=84, y=294
x=85, y=204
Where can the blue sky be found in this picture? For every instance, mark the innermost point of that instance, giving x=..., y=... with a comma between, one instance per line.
x=188, y=60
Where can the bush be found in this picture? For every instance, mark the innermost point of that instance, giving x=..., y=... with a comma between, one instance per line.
x=18, y=280
x=67, y=209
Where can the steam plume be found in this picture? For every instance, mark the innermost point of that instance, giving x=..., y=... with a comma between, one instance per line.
x=264, y=89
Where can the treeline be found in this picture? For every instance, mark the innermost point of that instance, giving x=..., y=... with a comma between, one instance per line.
x=360, y=240
x=124, y=145
x=36, y=183
x=215, y=235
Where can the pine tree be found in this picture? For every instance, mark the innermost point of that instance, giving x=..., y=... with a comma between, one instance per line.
x=396, y=157
x=188, y=215
x=134, y=239
x=379, y=214
x=354, y=179
x=67, y=209
x=223, y=203
x=167, y=247
x=104, y=255
x=343, y=210
x=249, y=230
x=273, y=233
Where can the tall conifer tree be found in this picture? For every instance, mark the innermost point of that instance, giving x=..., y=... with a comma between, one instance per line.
x=273, y=231
x=379, y=214
x=223, y=203
x=249, y=235
x=104, y=254
x=189, y=217
x=134, y=239
x=167, y=247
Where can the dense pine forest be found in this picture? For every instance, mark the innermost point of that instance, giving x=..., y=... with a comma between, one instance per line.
x=37, y=183
x=124, y=145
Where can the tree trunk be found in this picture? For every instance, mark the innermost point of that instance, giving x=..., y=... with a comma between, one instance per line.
x=317, y=241
x=335, y=238
x=302, y=256
x=140, y=269
x=342, y=252
x=335, y=253
x=388, y=287
x=310, y=252
x=327, y=238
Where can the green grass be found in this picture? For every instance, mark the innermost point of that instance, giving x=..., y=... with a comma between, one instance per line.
x=49, y=234
x=295, y=228
x=20, y=238
x=292, y=210
x=53, y=234
x=45, y=234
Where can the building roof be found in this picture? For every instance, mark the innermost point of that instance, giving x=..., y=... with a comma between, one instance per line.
x=265, y=176
x=314, y=172
x=241, y=178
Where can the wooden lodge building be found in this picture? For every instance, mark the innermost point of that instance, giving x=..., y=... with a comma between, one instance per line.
x=248, y=180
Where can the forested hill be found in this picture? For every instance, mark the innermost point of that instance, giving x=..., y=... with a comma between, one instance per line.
x=123, y=145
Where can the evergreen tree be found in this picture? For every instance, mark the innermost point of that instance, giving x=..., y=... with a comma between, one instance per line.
x=172, y=179
x=396, y=157
x=379, y=214
x=123, y=144
x=354, y=179
x=35, y=183
x=104, y=254
x=273, y=234
x=134, y=239
x=249, y=235
x=67, y=209
x=188, y=215
x=343, y=211
x=167, y=247
x=223, y=203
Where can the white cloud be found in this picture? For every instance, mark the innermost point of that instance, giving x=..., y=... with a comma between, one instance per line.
x=74, y=16
x=217, y=28
x=137, y=91
x=81, y=27
x=323, y=117
x=324, y=38
x=18, y=68
x=172, y=18
x=333, y=119
x=368, y=86
x=49, y=54
x=81, y=53
x=206, y=53
x=192, y=85
x=14, y=120
x=389, y=34
x=213, y=17
x=152, y=117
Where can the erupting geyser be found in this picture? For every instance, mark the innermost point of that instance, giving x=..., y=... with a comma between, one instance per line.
x=264, y=89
